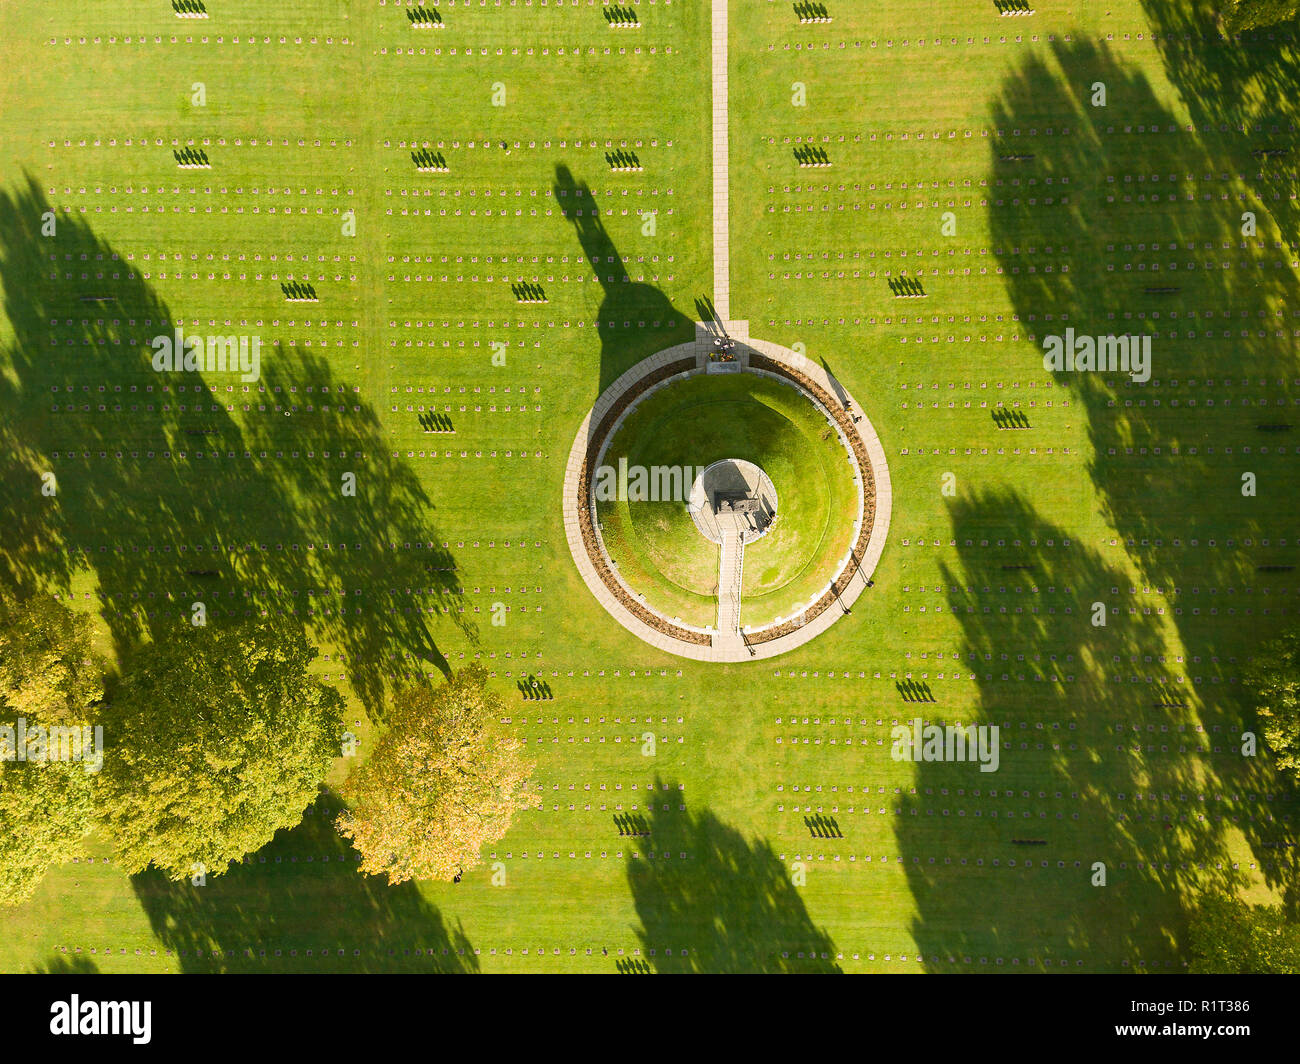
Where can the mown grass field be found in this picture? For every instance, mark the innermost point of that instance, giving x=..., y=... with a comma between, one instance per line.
x=1121, y=741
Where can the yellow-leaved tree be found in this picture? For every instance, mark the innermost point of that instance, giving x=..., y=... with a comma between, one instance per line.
x=443, y=780
x=49, y=671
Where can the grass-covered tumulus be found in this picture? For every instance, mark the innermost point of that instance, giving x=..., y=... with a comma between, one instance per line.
x=705, y=419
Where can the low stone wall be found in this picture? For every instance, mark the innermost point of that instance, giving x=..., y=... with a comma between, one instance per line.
x=586, y=519
x=832, y=407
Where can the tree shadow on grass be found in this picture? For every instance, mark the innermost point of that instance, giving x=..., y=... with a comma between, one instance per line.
x=302, y=892
x=1168, y=455
x=634, y=319
x=242, y=505
x=60, y=965
x=728, y=907
x=1158, y=457
x=1038, y=658
x=1242, y=94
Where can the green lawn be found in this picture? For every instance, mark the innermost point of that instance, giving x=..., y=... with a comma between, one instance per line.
x=1120, y=741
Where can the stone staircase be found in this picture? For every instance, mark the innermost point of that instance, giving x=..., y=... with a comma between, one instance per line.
x=731, y=567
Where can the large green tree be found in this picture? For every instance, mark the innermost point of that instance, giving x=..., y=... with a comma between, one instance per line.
x=442, y=782
x=1272, y=681
x=219, y=738
x=45, y=812
x=1227, y=936
x=1242, y=15
x=50, y=676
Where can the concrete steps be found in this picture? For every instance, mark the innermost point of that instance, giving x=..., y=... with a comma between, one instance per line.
x=731, y=567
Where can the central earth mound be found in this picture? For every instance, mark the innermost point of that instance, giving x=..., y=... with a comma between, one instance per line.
x=675, y=433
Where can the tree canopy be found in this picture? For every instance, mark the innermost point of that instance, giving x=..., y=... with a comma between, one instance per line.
x=50, y=676
x=443, y=781
x=45, y=812
x=219, y=738
x=1229, y=937
x=1242, y=15
x=1272, y=680
x=49, y=671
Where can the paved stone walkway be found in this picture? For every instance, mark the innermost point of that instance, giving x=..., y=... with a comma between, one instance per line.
x=721, y=172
